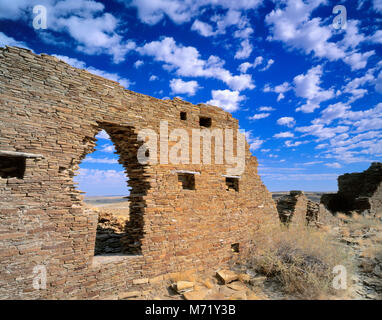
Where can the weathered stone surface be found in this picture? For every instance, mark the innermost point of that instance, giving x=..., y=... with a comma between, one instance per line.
x=226, y=276
x=237, y=286
x=182, y=286
x=196, y=295
x=51, y=109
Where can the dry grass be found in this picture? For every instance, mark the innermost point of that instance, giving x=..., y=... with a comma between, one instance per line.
x=300, y=258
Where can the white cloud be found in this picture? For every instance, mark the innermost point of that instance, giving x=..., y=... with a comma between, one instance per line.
x=244, y=51
x=108, y=148
x=102, y=135
x=269, y=63
x=89, y=159
x=92, y=29
x=82, y=65
x=8, y=41
x=151, y=12
x=264, y=108
x=203, y=28
x=378, y=83
x=138, y=64
x=291, y=23
x=226, y=99
x=286, y=121
x=280, y=89
x=377, y=5
x=286, y=134
x=333, y=165
x=308, y=86
x=186, y=62
x=254, y=142
x=178, y=86
x=259, y=116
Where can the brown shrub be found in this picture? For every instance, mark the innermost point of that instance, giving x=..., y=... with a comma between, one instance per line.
x=300, y=258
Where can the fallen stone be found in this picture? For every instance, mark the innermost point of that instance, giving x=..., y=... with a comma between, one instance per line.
x=131, y=294
x=237, y=286
x=226, y=276
x=140, y=281
x=240, y=295
x=183, y=286
x=195, y=295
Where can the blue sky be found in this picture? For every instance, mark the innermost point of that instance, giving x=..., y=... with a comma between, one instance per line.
x=307, y=94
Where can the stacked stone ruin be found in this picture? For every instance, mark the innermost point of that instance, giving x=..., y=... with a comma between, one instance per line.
x=295, y=208
x=359, y=192
x=50, y=113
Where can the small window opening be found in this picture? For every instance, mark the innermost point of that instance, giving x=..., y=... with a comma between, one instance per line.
x=183, y=115
x=187, y=180
x=147, y=153
x=12, y=167
x=232, y=184
x=235, y=247
x=205, y=122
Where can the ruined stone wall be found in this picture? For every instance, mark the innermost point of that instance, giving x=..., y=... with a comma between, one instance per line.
x=360, y=191
x=295, y=208
x=51, y=112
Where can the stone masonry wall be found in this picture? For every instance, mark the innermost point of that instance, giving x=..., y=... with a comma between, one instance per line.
x=50, y=114
x=359, y=191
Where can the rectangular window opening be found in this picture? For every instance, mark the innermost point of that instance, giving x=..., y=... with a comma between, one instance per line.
x=235, y=247
x=183, y=115
x=187, y=180
x=232, y=184
x=12, y=167
x=205, y=122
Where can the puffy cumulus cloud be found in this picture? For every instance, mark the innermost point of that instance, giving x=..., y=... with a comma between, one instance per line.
x=358, y=60
x=226, y=99
x=153, y=77
x=291, y=23
x=103, y=135
x=204, y=29
x=186, y=62
x=308, y=86
x=286, y=121
x=280, y=89
x=93, y=30
x=82, y=65
x=181, y=11
x=138, y=64
x=245, y=50
x=286, y=134
x=254, y=142
x=9, y=41
x=258, y=116
x=178, y=86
